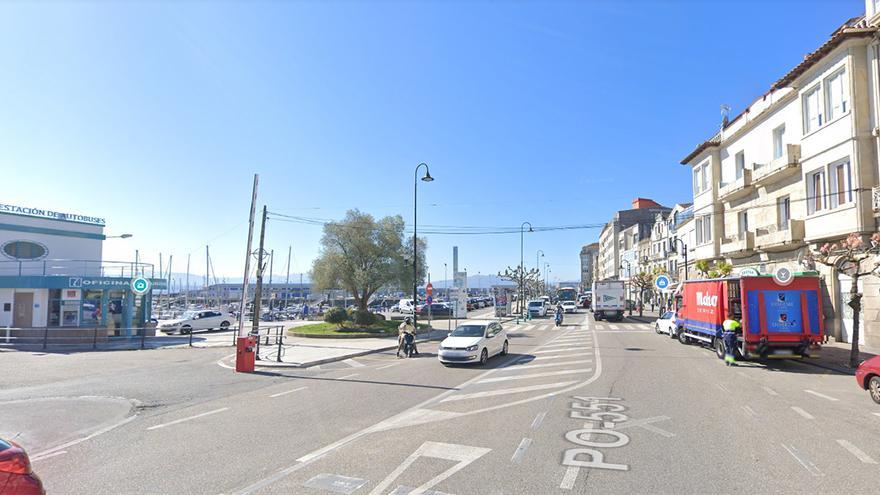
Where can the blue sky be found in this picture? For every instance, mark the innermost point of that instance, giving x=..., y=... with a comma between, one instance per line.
x=156, y=116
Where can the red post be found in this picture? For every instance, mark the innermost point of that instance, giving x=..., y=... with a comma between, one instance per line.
x=245, y=351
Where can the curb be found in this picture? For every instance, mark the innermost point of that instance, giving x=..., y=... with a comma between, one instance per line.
x=836, y=369
x=338, y=336
x=309, y=364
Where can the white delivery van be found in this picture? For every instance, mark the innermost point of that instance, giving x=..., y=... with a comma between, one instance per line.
x=608, y=300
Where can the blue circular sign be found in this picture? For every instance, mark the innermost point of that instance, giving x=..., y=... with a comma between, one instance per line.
x=140, y=286
x=662, y=282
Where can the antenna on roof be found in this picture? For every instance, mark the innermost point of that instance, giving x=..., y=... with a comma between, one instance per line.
x=725, y=116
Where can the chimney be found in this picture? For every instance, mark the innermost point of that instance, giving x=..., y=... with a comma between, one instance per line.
x=640, y=203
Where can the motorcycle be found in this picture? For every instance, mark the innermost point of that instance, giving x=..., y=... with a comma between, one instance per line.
x=558, y=319
x=409, y=341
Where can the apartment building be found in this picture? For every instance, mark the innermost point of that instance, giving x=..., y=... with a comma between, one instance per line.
x=611, y=247
x=589, y=258
x=796, y=168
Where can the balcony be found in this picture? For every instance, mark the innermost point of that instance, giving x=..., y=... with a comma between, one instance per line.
x=739, y=245
x=737, y=188
x=778, y=168
x=875, y=198
x=780, y=237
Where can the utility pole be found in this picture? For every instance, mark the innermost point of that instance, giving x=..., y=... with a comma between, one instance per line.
x=258, y=295
x=271, y=269
x=168, y=290
x=159, y=294
x=247, y=260
x=186, y=291
x=207, y=271
x=287, y=282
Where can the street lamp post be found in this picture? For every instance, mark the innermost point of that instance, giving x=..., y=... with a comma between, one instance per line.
x=684, y=249
x=426, y=178
x=123, y=236
x=522, y=271
x=627, y=290
x=546, y=267
x=538, y=265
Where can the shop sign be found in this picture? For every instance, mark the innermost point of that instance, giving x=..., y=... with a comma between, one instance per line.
x=140, y=286
x=54, y=215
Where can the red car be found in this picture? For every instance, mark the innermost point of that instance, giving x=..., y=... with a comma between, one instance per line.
x=868, y=377
x=16, y=476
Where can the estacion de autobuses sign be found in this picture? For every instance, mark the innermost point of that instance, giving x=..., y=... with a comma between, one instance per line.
x=54, y=215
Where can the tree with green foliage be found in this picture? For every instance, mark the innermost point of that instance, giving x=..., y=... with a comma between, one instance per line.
x=361, y=255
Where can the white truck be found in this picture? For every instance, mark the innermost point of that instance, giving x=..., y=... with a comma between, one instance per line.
x=608, y=300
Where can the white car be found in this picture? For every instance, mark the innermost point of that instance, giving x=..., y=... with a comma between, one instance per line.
x=537, y=308
x=476, y=341
x=666, y=324
x=190, y=321
x=569, y=307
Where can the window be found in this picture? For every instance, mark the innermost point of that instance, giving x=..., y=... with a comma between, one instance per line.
x=812, y=111
x=840, y=184
x=778, y=136
x=24, y=250
x=815, y=191
x=784, y=211
x=740, y=164
x=701, y=178
x=836, y=95
x=743, y=222
x=704, y=229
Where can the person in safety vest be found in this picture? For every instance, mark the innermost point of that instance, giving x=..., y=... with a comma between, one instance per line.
x=730, y=328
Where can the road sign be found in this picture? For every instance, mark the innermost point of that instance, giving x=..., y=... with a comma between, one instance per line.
x=429, y=289
x=783, y=276
x=140, y=286
x=748, y=272
x=662, y=282
x=430, y=300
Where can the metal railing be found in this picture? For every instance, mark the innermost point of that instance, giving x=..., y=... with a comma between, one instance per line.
x=75, y=268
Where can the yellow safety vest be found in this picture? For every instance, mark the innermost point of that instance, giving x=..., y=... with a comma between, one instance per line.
x=730, y=325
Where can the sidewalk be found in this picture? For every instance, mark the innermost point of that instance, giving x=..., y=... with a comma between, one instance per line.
x=302, y=352
x=835, y=357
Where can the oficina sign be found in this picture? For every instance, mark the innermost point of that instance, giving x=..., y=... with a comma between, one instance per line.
x=54, y=215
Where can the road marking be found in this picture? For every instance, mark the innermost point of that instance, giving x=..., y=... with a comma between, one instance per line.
x=181, y=420
x=570, y=477
x=645, y=424
x=722, y=387
x=817, y=394
x=547, y=365
x=279, y=394
x=83, y=439
x=876, y=414
x=770, y=391
x=506, y=391
x=563, y=344
x=533, y=375
x=353, y=363
x=626, y=331
x=224, y=365
x=802, y=412
x=387, y=366
x=751, y=412
x=347, y=376
x=464, y=454
x=860, y=455
x=521, y=450
x=335, y=483
x=538, y=420
x=614, y=327
x=313, y=456
x=53, y=454
x=557, y=351
x=809, y=466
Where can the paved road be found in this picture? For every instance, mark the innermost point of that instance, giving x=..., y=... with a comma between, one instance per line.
x=588, y=408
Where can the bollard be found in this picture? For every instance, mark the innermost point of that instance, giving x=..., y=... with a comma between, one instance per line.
x=143, y=336
x=280, y=341
x=45, y=337
x=257, y=351
x=95, y=339
x=190, y=337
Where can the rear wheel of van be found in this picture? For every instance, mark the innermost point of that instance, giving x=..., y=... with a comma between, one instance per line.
x=719, y=348
x=682, y=338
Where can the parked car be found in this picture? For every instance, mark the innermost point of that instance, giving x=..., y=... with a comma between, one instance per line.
x=437, y=309
x=537, y=307
x=569, y=307
x=666, y=324
x=405, y=306
x=198, y=320
x=16, y=475
x=868, y=377
x=476, y=341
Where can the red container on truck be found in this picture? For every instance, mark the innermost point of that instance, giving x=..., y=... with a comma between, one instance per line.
x=777, y=320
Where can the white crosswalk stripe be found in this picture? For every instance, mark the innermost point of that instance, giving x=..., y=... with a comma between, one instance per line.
x=547, y=365
x=534, y=375
x=557, y=351
x=507, y=391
